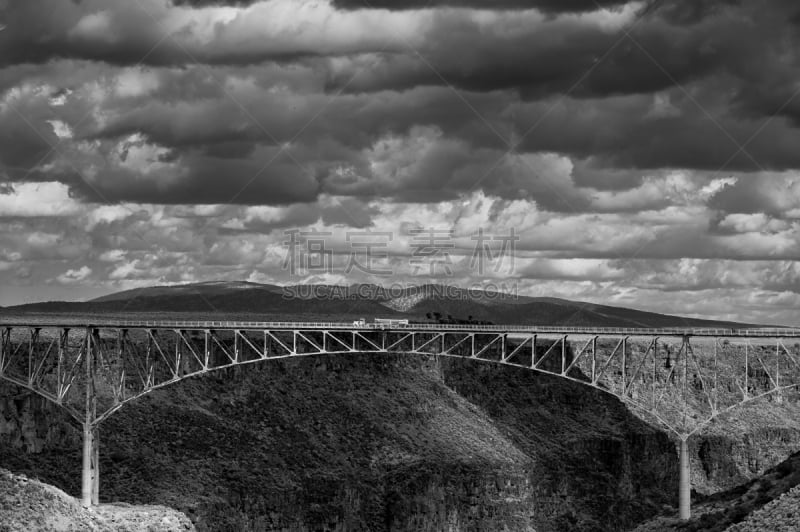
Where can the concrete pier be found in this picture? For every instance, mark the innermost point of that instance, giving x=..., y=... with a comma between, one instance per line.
x=684, y=482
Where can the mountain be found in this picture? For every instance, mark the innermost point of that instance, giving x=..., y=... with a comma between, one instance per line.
x=208, y=288
x=222, y=300
x=443, y=303
x=499, y=307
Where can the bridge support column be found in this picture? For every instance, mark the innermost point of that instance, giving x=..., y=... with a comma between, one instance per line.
x=90, y=474
x=685, y=481
x=96, y=466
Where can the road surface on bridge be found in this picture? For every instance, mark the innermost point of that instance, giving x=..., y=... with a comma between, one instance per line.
x=751, y=332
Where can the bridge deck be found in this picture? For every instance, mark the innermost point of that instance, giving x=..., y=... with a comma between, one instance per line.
x=760, y=332
x=92, y=366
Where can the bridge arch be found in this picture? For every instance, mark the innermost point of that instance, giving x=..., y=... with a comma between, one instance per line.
x=94, y=370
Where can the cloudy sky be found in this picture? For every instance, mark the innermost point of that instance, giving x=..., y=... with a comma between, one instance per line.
x=644, y=153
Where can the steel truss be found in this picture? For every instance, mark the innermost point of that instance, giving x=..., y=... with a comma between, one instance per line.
x=679, y=381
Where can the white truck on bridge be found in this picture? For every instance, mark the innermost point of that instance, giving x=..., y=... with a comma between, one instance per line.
x=380, y=322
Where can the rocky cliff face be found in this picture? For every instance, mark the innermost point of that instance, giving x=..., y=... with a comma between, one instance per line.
x=597, y=466
x=31, y=423
x=765, y=503
x=744, y=444
x=373, y=442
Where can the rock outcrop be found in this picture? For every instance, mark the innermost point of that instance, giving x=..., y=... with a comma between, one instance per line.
x=780, y=515
x=31, y=423
x=31, y=506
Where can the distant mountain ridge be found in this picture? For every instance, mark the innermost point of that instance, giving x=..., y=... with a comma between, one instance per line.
x=428, y=302
x=210, y=287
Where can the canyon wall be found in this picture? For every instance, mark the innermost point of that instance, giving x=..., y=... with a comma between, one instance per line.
x=380, y=442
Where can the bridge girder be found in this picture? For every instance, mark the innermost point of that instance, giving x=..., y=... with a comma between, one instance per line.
x=644, y=371
x=682, y=382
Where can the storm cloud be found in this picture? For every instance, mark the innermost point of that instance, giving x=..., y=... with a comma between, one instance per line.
x=637, y=147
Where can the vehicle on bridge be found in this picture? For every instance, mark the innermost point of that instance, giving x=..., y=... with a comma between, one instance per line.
x=382, y=323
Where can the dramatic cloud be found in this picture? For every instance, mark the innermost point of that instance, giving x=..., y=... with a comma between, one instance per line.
x=37, y=199
x=643, y=153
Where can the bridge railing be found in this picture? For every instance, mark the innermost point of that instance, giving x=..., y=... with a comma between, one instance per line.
x=318, y=325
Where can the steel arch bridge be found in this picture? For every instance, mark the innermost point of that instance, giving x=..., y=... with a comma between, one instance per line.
x=681, y=379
